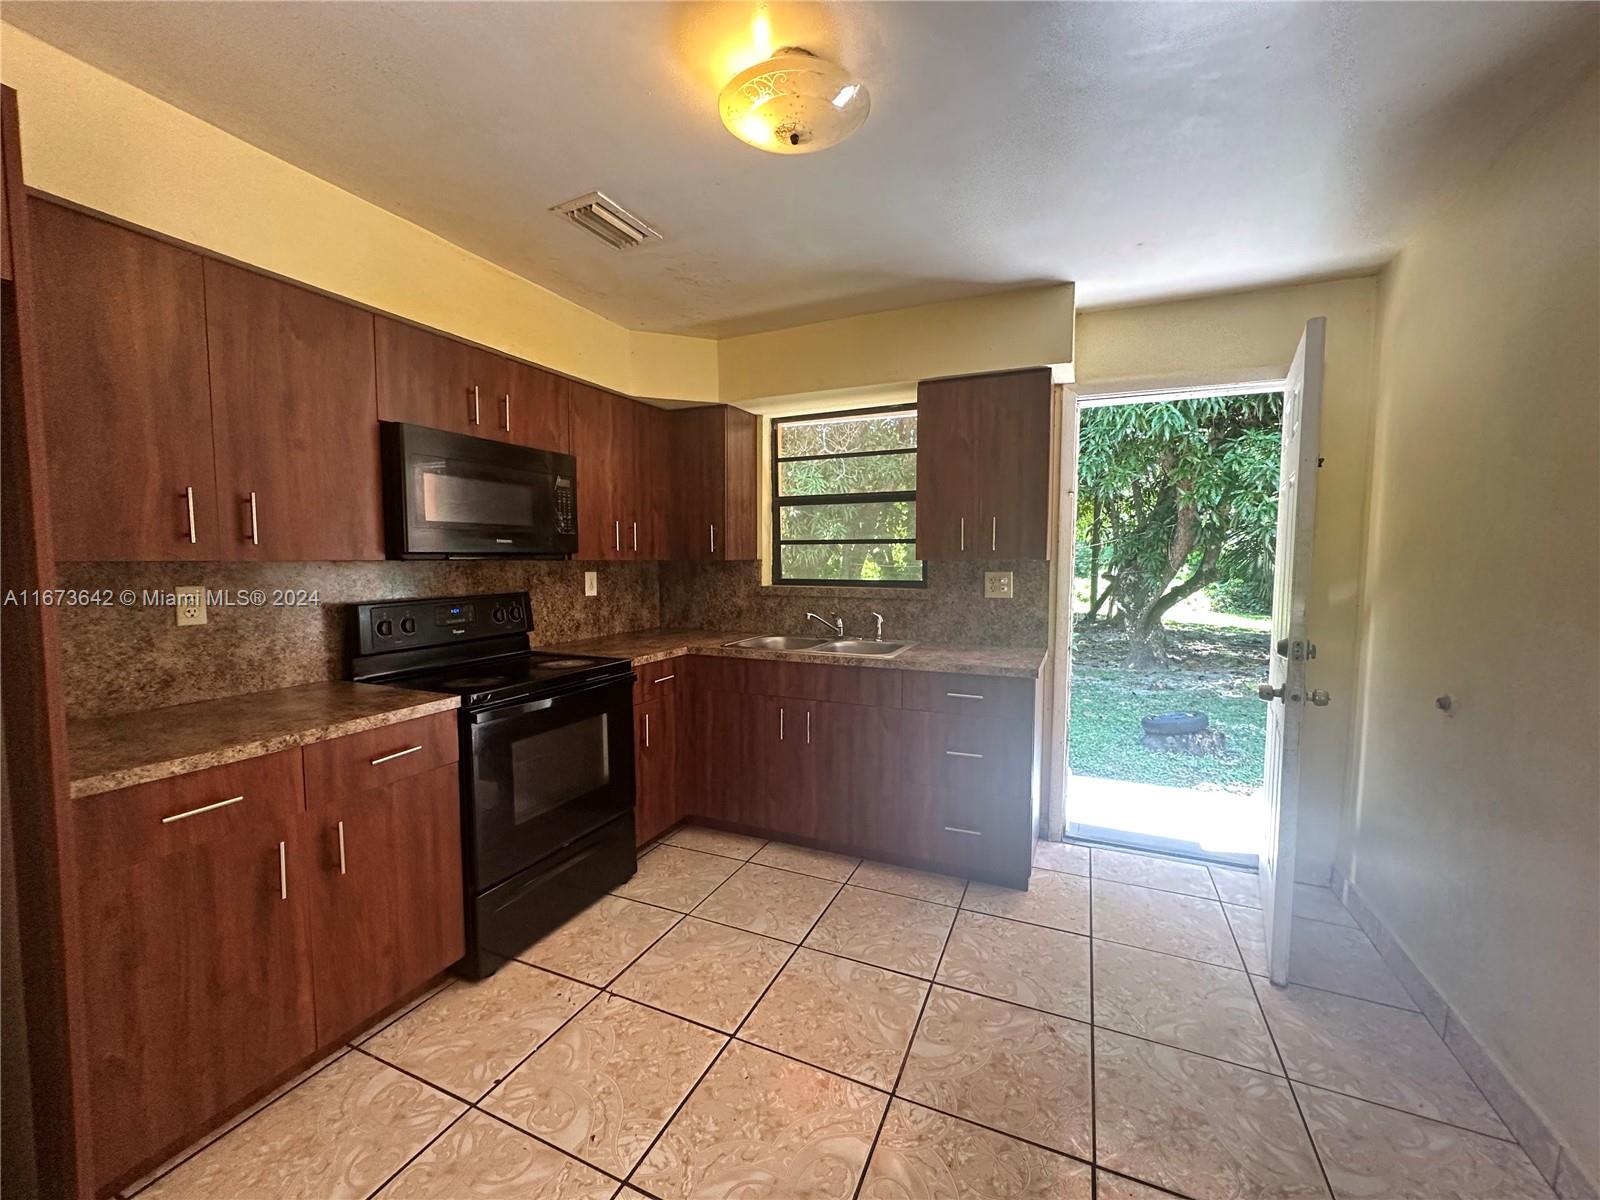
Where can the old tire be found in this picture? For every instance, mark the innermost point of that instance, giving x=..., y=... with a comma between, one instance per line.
x=1169, y=723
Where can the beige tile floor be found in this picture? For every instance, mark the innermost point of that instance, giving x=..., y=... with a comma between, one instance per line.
x=748, y=1019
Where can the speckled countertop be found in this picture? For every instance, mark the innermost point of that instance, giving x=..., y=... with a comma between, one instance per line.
x=654, y=645
x=117, y=752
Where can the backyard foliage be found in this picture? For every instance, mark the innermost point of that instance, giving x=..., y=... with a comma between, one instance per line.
x=1175, y=497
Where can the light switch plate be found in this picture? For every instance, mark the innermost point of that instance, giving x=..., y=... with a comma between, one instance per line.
x=591, y=583
x=191, y=605
x=997, y=585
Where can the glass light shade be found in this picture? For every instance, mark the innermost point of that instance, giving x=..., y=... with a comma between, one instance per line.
x=794, y=103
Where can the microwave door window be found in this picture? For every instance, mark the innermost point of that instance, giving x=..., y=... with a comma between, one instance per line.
x=450, y=498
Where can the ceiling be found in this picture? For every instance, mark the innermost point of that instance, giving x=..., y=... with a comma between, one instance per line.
x=1144, y=151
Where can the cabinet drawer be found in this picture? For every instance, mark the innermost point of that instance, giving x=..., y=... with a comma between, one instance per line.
x=121, y=828
x=655, y=680
x=873, y=686
x=969, y=695
x=378, y=757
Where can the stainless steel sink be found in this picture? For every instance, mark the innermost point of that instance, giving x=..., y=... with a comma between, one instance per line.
x=859, y=646
x=778, y=643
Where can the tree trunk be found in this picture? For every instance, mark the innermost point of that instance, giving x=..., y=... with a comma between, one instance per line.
x=1094, y=563
x=1147, y=637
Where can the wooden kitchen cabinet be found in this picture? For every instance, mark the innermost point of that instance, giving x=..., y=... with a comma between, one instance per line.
x=428, y=379
x=619, y=447
x=537, y=409
x=713, y=495
x=660, y=715
x=386, y=896
x=294, y=421
x=126, y=399
x=200, y=958
x=983, y=466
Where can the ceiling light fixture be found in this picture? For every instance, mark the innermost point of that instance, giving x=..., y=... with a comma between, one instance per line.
x=794, y=103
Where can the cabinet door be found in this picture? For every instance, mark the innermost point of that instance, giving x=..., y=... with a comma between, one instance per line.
x=654, y=457
x=537, y=408
x=126, y=400
x=431, y=380
x=200, y=965
x=655, y=757
x=730, y=743
x=598, y=443
x=696, y=483
x=1013, y=483
x=784, y=735
x=947, y=467
x=386, y=895
x=860, y=782
x=736, y=538
x=294, y=409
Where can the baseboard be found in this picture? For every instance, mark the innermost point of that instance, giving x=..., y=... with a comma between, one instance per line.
x=1552, y=1159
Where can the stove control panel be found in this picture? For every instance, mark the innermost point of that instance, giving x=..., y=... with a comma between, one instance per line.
x=439, y=621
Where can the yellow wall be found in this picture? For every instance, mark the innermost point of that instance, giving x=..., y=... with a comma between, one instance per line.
x=1027, y=327
x=96, y=141
x=1248, y=336
x=1476, y=835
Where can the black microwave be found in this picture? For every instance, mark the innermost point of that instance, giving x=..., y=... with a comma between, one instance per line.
x=448, y=495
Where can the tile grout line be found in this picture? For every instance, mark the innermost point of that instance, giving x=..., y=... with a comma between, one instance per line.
x=1316, y=1153
x=894, y=1088
x=421, y=1150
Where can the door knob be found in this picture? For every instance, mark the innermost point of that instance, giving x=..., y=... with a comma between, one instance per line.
x=1267, y=692
x=1320, y=698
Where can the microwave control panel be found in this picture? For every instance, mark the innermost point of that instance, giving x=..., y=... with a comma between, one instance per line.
x=566, y=505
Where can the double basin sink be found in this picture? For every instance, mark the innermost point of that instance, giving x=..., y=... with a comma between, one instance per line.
x=810, y=645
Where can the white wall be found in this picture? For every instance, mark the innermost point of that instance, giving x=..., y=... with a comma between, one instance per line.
x=1475, y=835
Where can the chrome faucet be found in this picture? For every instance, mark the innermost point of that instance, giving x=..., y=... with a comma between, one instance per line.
x=835, y=626
x=878, y=636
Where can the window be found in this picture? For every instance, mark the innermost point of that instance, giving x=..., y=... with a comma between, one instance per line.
x=844, y=499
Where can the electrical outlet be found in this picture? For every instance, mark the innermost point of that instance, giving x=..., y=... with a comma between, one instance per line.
x=997, y=585
x=591, y=583
x=191, y=604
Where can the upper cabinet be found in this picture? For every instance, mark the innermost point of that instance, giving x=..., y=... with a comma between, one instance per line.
x=537, y=409
x=294, y=420
x=983, y=466
x=623, y=457
x=712, y=466
x=127, y=404
x=428, y=379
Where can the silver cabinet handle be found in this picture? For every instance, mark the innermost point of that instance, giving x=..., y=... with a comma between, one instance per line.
x=647, y=731
x=963, y=533
x=780, y=724
x=341, y=847
x=381, y=759
x=808, y=727
x=475, y=419
x=204, y=808
x=968, y=832
x=963, y=696
x=189, y=493
x=618, y=525
x=283, y=871
x=994, y=533
x=255, y=529
x=507, y=400
x=664, y=678
x=713, y=539
x=962, y=754
x=636, y=537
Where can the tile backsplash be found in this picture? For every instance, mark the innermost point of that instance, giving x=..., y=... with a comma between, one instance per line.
x=126, y=658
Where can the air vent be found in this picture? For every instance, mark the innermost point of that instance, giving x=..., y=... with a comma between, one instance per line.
x=607, y=220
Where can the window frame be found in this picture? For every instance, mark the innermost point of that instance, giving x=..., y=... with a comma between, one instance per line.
x=779, y=502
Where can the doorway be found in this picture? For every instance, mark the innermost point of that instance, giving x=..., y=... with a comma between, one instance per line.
x=1171, y=587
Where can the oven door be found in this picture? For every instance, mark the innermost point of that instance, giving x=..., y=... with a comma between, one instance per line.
x=448, y=494
x=546, y=772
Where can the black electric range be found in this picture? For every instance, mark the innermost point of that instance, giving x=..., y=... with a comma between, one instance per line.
x=547, y=773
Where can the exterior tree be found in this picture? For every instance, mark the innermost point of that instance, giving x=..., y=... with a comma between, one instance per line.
x=1180, y=494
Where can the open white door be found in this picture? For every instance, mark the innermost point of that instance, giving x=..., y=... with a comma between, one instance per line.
x=1285, y=691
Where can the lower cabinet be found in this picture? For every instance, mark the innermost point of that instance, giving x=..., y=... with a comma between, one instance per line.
x=939, y=787
x=385, y=885
x=236, y=933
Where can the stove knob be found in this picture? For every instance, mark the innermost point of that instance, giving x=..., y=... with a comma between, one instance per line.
x=385, y=628
x=408, y=625
x=516, y=612
x=499, y=616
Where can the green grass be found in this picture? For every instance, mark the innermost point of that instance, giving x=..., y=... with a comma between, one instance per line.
x=1108, y=702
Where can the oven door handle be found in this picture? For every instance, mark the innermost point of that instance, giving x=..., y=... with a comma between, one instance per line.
x=490, y=716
